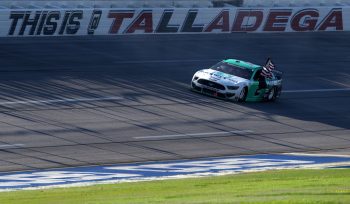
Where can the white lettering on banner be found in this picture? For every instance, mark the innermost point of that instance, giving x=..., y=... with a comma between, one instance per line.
x=135, y=171
x=162, y=170
x=177, y=20
x=57, y=177
x=200, y=166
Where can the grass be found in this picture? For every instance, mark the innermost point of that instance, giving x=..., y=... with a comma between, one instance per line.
x=283, y=186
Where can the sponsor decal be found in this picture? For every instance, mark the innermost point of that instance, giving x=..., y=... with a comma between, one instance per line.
x=232, y=80
x=218, y=74
x=214, y=79
x=146, y=21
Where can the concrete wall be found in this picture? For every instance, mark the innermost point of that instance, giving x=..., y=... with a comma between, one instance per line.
x=73, y=22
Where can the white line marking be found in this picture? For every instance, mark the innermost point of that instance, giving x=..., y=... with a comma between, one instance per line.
x=162, y=61
x=195, y=134
x=315, y=90
x=318, y=155
x=335, y=82
x=10, y=146
x=346, y=74
x=60, y=100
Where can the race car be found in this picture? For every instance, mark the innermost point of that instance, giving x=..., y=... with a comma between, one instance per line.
x=237, y=80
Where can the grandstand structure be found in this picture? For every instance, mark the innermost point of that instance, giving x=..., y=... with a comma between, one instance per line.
x=52, y=4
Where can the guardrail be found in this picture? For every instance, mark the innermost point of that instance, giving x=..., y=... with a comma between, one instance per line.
x=70, y=22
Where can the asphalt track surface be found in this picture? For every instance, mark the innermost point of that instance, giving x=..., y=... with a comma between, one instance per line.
x=78, y=101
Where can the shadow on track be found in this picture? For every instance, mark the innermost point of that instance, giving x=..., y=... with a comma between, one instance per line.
x=52, y=81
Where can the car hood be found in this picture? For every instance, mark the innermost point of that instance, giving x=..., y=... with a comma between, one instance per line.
x=220, y=77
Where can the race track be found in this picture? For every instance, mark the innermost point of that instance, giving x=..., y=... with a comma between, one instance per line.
x=104, y=100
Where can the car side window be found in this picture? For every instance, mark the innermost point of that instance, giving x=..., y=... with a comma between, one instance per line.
x=257, y=75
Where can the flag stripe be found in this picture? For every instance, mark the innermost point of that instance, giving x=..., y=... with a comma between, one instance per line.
x=267, y=69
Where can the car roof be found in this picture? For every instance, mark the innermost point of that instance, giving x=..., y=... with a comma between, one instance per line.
x=241, y=63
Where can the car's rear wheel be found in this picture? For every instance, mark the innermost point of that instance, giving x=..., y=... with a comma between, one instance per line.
x=243, y=95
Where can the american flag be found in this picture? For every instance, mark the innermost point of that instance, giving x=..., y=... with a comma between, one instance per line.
x=267, y=69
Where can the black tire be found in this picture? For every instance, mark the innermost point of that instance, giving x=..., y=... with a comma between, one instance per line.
x=272, y=95
x=243, y=95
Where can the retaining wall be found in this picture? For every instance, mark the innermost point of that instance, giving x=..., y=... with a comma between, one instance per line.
x=72, y=22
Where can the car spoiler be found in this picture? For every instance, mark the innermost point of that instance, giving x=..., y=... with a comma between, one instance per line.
x=278, y=74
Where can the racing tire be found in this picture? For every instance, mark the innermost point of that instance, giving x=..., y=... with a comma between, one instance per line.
x=243, y=95
x=272, y=95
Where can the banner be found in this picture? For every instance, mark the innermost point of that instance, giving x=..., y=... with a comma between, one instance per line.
x=63, y=22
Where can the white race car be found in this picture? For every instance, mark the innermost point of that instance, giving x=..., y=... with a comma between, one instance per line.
x=237, y=80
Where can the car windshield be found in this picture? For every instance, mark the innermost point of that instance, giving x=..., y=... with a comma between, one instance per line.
x=233, y=70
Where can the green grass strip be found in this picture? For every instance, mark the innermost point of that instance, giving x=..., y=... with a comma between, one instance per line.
x=283, y=186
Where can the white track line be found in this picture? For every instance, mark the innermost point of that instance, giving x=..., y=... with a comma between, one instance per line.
x=346, y=74
x=63, y=100
x=334, y=82
x=195, y=134
x=5, y=146
x=162, y=61
x=318, y=154
x=315, y=90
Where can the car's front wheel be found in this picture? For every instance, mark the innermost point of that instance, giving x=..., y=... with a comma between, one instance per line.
x=272, y=94
x=243, y=95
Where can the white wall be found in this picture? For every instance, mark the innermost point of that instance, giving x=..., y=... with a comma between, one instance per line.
x=60, y=22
